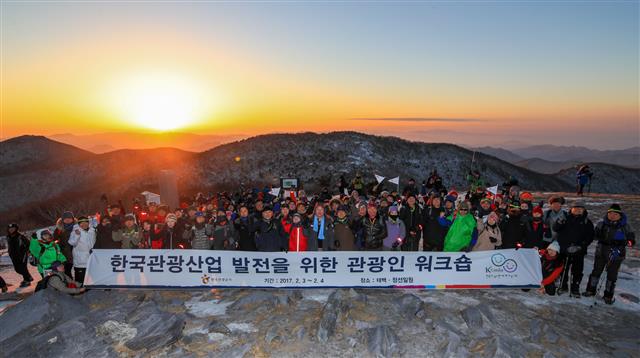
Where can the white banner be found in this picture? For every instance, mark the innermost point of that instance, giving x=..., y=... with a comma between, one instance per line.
x=380, y=269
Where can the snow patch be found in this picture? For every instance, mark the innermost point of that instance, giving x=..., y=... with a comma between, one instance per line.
x=242, y=327
x=206, y=308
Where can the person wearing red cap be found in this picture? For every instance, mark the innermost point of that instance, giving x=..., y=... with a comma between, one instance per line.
x=536, y=230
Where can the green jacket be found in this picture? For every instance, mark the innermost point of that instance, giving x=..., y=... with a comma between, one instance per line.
x=460, y=233
x=46, y=254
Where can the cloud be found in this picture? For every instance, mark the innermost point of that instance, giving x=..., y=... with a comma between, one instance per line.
x=417, y=119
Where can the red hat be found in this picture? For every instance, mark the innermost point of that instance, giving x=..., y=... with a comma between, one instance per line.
x=372, y=204
x=453, y=193
x=537, y=210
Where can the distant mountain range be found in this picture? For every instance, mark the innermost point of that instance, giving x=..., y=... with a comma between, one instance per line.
x=107, y=142
x=550, y=159
x=40, y=177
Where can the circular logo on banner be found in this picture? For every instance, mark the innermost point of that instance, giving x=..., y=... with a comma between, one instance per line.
x=510, y=266
x=498, y=259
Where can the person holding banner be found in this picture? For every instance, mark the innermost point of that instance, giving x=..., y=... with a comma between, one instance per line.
x=299, y=236
x=551, y=268
x=463, y=232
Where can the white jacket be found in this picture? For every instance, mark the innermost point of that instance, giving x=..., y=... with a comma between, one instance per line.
x=82, y=244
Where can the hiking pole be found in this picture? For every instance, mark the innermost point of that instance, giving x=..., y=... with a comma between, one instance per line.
x=614, y=253
x=564, y=274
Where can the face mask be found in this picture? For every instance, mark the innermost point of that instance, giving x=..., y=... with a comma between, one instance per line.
x=393, y=217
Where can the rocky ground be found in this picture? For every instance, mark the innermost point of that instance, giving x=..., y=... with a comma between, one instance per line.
x=326, y=322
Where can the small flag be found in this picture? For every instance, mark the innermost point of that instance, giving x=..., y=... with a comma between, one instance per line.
x=493, y=190
x=275, y=191
x=395, y=180
x=379, y=178
x=346, y=191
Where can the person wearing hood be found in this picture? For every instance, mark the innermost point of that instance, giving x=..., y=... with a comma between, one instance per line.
x=536, y=230
x=433, y=233
x=170, y=235
x=129, y=235
x=245, y=228
x=345, y=240
x=463, y=232
x=46, y=251
x=575, y=234
x=396, y=231
x=83, y=238
x=200, y=233
x=613, y=234
x=489, y=235
x=513, y=229
x=411, y=215
x=18, y=246
x=484, y=208
x=223, y=233
x=551, y=268
x=64, y=226
x=270, y=236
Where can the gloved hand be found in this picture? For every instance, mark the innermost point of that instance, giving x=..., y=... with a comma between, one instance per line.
x=574, y=249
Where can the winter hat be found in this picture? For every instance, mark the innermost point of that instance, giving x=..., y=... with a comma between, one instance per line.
x=554, y=246
x=493, y=215
x=450, y=198
x=578, y=204
x=487, y=200
x=67, y=215
x=171, y=217
x=55, y=265
x=343, y=208
x=83, y=219
x=393, y=209
x=372, y=204
x=131, y=217
x=526, y=196
x=615, y=208
x=537, y=210
x=515, y=204
x=199, y=213
x=44, y=232
x=12, y=225
x=453, y=193
x=267, y=208
x=556, y=199
x=464, y=205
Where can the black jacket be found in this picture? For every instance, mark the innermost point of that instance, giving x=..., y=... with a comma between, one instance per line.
x=270, y=236
x=245, y=233
x=575, y=230
x=433, y=232
x=513, y=231
x=18, y=247
x=374, y=232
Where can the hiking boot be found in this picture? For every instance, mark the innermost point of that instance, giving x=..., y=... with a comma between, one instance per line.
x=588, y=293
x=562, y=290
x=575, y=291
x=4, y=289
x=609, y=300
x=25, y=284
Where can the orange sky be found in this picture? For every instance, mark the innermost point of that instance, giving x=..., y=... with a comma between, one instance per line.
x=74, y=68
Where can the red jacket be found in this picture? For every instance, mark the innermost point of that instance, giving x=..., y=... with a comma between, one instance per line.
x=286, y=225
x=551, y=267
x=297, y=239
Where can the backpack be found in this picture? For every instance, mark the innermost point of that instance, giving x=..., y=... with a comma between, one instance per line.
x=34, y=261
x=43, y=284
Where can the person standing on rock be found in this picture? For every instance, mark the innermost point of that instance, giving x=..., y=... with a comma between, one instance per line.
x=270, y=236
x=613, y=234
x=374, y=229
x=64, y=226
x=45, y=251
x=19, y=253
x=463, y=232
x=575, y=234
x=433, y=233
x=551, y=268
x=411, y=215
x=552, y=215
x=396, y=231
x=245, y=228
x=82, y=238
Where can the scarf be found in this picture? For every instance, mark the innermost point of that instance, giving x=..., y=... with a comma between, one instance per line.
x=319, y=230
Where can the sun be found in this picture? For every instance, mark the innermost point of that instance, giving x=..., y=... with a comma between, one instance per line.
x=161, y=101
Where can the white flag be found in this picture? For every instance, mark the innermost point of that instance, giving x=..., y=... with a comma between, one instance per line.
x=493, y=190
x=379, y=178
x=395, y=180
x=274, y=191
x=346, y=191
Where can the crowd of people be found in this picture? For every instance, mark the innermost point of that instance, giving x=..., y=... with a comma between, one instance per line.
x=419, y=218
